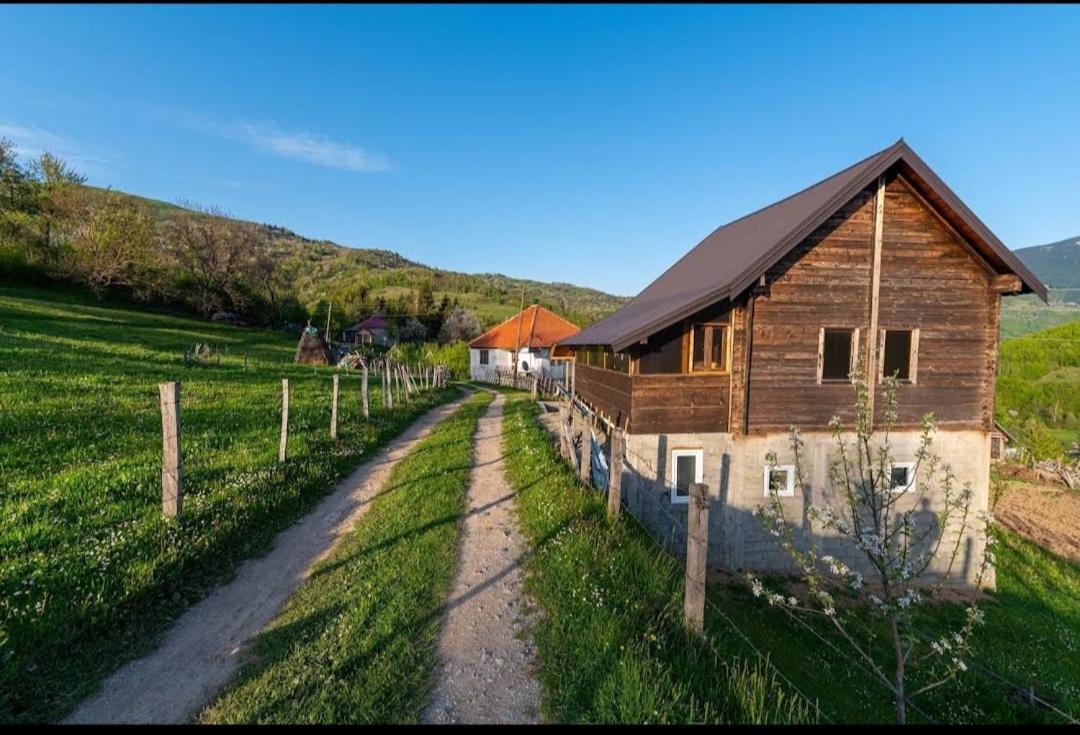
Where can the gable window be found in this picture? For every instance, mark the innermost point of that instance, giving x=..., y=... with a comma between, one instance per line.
x=709, y=348
x=902, y=477
x=837, y=348
x=483, y=357
x=780, y=478
x=899, y=354
x=686, y=468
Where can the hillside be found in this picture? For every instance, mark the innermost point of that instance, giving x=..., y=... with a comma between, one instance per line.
x=1038, y=388
x=354, y=279
x=1058, y=266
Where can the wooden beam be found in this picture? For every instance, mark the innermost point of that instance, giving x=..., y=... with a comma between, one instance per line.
x=875, y=291
x=1006, y=283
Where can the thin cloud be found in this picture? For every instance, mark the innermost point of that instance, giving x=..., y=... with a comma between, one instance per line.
x=300, y=146
x=31, y=141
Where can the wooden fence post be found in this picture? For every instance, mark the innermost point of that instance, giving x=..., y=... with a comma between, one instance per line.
x=284, y=420
x=333, y=410
x=364, y=395
x=585, y=468
x=172, y=481
x=535, y=386
x=697, y=552
x=614, y=498
x=388, y=387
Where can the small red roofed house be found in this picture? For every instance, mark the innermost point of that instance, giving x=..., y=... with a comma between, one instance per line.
x=531, y=334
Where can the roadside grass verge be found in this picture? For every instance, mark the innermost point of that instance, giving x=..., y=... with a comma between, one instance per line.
x=609, y=633
x=357, y=642
x=89, y=569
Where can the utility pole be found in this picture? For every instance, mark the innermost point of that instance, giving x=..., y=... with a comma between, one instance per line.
x=517, y=342
x=329, y=309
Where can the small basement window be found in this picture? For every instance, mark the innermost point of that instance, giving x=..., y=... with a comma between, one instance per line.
x=686, y=468
x=710, y=348
x=898, y=354
x=780, y=478
x=836, y=359
x=902, y=477
x=483, y=357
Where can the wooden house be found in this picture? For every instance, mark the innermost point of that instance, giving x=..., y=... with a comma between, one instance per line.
x=374, y=330
x=760, y=325
x=524, y=340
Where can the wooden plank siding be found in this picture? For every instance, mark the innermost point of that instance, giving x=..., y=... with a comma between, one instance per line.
x=680, y=404
x=606, y=391
x=650, y=404
x=932, y=282
x=823, y=282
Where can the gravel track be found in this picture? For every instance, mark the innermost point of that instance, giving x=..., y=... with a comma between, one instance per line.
x=487, y=657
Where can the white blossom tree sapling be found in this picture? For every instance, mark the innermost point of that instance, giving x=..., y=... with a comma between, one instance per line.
x=905, y=529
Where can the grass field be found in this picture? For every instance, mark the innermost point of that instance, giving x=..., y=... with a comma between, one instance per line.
x=610, y=638
x=356, y=643
x=1039, y=379
x=612, y=648
x=89, y=569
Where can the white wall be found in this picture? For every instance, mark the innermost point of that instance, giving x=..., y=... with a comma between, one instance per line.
x=504, y=360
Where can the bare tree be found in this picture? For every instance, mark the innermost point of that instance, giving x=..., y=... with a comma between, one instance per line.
x=906, y=550
x=111, y=243
x=212, y=252
x=460, y=325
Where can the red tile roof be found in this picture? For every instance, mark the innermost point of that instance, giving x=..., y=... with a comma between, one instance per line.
x=539, y=328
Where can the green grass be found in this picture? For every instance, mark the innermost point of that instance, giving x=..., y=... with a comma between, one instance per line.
x=611, y=644
x=612, y=649
x=356, y=644
x=1039, y=381
x=1031, y=637
x=89, y=569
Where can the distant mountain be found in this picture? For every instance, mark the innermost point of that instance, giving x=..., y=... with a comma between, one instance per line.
x=1057, y=265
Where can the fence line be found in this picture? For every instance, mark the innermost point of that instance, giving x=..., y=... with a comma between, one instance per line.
x=169, y=406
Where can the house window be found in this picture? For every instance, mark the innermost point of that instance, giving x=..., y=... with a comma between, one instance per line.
x=709, y=351
x=899, y=353
x=483, y=357
x=780, y=478
x=902, y=477
x=686, y=468
x=836, y=354
x=995, y=446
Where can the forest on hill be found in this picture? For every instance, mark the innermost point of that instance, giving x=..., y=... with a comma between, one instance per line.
x=54, y=227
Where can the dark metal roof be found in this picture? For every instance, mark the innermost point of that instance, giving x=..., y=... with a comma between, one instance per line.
x=735, y=255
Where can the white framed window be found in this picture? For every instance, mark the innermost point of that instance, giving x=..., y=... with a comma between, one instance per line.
x=902, y=477
x=687, y=467
x=782, y=478
x=484, y=357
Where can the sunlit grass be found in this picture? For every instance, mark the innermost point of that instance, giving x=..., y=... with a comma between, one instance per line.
x=89, y=569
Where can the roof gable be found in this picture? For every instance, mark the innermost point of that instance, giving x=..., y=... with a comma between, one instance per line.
x=539, y=328
x=735, y=255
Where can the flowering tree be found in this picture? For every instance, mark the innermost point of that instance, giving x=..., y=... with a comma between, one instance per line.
x=905, y=551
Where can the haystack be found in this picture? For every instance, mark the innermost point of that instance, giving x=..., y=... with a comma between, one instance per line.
x=312, y=350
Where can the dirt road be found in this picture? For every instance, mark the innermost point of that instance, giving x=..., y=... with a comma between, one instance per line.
x=201, y=652
x=484, y=646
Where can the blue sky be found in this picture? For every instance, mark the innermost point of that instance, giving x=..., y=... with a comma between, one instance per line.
x=593, y=145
